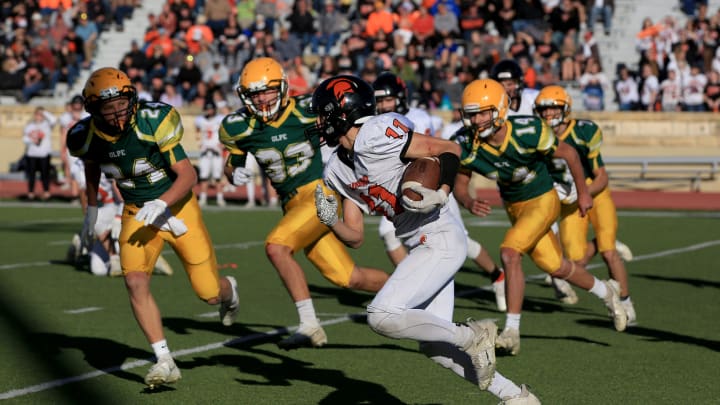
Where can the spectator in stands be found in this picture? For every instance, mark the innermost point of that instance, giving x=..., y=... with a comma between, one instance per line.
x=331, y=23
x=448, y=51
x=236, y=52
x=593, y=84
x=37, y=136
x=403, y=17
x=711, y=94
x=216, y=13
x=198, y=33
x=268, y=9
x=217, y=75
x=68, y=68
x=187, y=78
x=671, y=92
x=381, y=19
x=287, y=46
x=626, y=89
x=345, y=61
x=142, y=94
x=171, y=96
x=445, y=22
x=693, y=87
x=302, y=22
x=649, y=89
x=472, y=20
x=423, y=28
x=121, y=10
x=328, y=68
x=529, y=17
x=546, y=51
x=564, y=20
x=156, y=62
x=571, y=59
x=600, y=9
x=299, y=77
x=34, y=79
x=245, y=14
x=88, y=31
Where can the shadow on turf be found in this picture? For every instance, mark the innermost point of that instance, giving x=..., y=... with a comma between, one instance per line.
x=657, y=335
x=693, y=282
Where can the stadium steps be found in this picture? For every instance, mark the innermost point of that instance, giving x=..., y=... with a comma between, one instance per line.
x=111, y=48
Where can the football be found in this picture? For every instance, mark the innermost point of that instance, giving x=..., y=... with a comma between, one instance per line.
x=425, y=171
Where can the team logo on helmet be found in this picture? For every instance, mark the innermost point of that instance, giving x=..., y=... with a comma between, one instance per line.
x=340, y=87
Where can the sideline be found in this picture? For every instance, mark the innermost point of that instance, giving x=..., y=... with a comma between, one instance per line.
x=263, y=335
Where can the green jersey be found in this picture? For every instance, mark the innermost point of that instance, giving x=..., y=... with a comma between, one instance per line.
x=140, y=159
x=519, y=164
x=586, y=137
x=289, y=159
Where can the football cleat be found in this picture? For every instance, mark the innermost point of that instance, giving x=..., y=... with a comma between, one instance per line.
x=499, y=288
x=229, y=311
x=616, y=309
x=221, y=201
x=163, y=267
x=524, y=398
x=626, y=303
x=509, y=341
x=304, y=336
x=163, y=372
x=482, y=350
x=564, y=291
x=624, y=251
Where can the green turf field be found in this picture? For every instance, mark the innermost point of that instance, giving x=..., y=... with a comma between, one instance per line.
x=69, y=337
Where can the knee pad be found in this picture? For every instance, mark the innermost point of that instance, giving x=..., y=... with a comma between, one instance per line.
x=383, y=323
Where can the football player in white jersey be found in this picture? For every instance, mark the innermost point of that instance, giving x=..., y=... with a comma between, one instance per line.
x=74, y=113
x=510, y=75
x=391, y=95
x=417, y=301
x=211, y=162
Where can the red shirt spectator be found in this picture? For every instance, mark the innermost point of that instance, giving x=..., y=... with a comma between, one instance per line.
x=380, y=19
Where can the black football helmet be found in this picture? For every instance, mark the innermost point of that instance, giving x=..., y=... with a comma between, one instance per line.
x=388, y=84
x=341, y=102
x=508, y=69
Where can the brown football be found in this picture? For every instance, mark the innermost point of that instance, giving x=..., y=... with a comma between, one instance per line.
x=425, y=171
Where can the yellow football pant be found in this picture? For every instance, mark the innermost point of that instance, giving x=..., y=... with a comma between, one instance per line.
x=300, y=228
x=531, y=232
x=141, y=245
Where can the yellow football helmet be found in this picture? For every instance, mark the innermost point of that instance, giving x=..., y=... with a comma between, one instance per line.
x=481, y=95
x=258, y=76
x=108, y=84
x=554, y=96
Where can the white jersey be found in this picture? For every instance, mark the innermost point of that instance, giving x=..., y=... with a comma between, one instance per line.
x=208, y=131
x=422, y=120
x=372, y=179
x=527, y=101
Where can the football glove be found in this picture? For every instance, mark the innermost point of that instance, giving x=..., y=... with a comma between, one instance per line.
x=175, y=225
x=242, y=175
x=431, y=199
x=87, y=235
x=115, y=228
x=326, y=206
x=150, y=212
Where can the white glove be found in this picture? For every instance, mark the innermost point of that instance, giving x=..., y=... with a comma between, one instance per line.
x=115, y=228
x=175, y=225
x=150, y=211
x=242, y=175
x=326, y=206
x=431, y=199
x=87, y=235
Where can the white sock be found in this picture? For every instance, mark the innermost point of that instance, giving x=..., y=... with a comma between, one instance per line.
x=306, y=310
x=220, y=196
x=599, y=289
x=161, y=348
x=203, y=196
x=501, y=387
x=463, y=336
x=512, y=321
x=251, y=192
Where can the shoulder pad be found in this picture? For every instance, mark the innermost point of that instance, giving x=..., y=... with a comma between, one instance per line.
x=78, y=137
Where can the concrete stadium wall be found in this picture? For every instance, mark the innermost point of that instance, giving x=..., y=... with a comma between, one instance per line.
x=626, y=134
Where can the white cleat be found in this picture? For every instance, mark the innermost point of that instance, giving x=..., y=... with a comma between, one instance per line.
x=524, y=398
x=229, y=311
x=499, y=288
x=163, y=372
x=304, y=336
x=626, y=303
x=616, y=309
x=509, y=341
x=482, y=350
x=624, y=251
x=564, y=291
x=163, y=267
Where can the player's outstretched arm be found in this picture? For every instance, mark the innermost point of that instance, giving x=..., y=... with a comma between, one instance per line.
x=461, y=192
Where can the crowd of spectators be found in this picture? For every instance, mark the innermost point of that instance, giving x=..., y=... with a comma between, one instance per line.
x=46, y=42
x=193, y=51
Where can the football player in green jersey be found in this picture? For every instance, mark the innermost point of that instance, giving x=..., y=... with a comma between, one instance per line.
x=138, y=145
x=513, y=152
x=554, y=105
x=272, y=127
